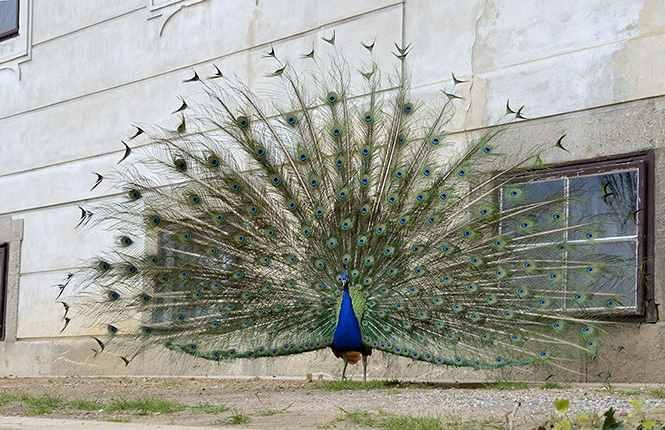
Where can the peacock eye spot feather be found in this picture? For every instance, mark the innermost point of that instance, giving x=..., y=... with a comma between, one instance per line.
x=134, y=195
x=332, y=97
x=213, y=161
x=180, y=164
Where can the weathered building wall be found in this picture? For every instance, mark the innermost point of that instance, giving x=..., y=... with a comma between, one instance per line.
x=590, y=70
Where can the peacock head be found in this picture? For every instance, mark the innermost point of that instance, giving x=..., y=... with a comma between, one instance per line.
x=345, y=280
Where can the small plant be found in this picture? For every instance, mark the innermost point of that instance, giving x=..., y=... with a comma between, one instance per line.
x=551, y=384
x=644, y=421
x=86, y=405
x=237, y=417
x=119, y=420
x=361, y=418
x=267, y=411
x=210, y=409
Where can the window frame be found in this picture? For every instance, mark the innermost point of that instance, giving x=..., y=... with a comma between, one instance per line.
x=4, y=261
x=643, y=162
x=14, y=31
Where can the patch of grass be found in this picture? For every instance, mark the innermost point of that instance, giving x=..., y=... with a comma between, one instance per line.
x=119, y=420
x=642, y=391
x=44, y=404
x=210, y=409
x=237, y=417
x=360, y=418
x=7, y=397
x=267, y=411
x=413, y=423
x=456, y=422
x=553, y=385
x=86, y=404
x=388, y=421
x=144, y=406
x=506, y=385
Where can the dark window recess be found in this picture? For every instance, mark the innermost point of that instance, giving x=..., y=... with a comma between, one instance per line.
x=8, y=19
x=617, y=193
x=3, y=288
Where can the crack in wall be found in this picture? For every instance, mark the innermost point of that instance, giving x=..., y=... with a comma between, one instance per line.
x=473, y=58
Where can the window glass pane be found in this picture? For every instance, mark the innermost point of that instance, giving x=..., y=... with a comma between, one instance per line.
x=616, y=275
x=8, y=16
x=541, y=215
x=611, y=198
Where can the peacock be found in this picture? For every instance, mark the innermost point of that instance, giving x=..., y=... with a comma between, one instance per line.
x=337, y=212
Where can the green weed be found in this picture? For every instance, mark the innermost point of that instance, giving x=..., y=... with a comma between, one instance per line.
x=119, y=420
x=44, y=404
x=210, y=409
x=267, y=411
x=86, y=404
x=237, y=417
x=144, y=406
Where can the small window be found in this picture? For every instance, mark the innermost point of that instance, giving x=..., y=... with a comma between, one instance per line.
x=8, y=18
x=3, y=288
x=616, y=191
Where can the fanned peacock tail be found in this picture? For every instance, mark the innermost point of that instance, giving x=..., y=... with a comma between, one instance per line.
x=238, y=232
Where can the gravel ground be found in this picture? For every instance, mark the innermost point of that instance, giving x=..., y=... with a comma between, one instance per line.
x=290, y=404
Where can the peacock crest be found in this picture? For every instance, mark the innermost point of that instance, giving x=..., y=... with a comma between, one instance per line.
x=338, y=212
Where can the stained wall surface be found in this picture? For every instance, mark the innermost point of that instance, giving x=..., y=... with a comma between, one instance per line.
x=83, y=72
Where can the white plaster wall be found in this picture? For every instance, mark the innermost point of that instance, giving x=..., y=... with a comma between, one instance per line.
x=98, y=66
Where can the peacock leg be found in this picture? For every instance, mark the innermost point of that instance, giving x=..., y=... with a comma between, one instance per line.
x=364, y=368
x=346, y=363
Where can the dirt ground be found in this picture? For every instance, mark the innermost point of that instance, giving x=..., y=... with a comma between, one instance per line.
x=289, y=404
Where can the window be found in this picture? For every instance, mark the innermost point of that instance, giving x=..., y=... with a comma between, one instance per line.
x=175, y=254
x=3, y=288
x=617, y=193
x=9, y=17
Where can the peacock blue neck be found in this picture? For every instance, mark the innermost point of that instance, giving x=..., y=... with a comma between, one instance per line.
x=347, y=334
